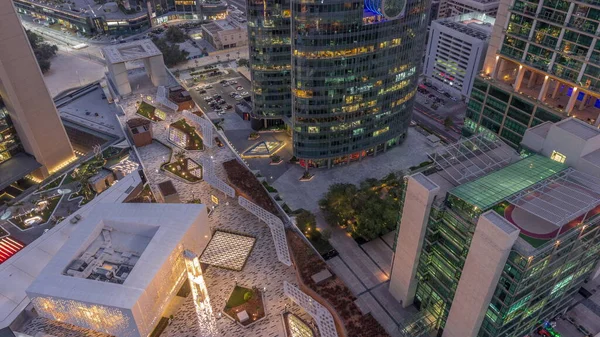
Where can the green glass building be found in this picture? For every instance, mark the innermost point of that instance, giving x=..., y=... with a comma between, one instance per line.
x=491, y=243
x=542, y=64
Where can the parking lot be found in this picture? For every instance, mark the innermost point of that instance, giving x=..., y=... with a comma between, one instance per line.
x=211, y=87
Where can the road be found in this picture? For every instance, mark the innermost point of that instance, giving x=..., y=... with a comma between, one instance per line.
x=420, y=116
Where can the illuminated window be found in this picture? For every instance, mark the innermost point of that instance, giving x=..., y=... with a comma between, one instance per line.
x=559, y=157
x=313, y=129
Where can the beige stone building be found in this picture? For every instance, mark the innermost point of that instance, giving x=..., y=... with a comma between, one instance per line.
x=32, y=137
x=225, y=34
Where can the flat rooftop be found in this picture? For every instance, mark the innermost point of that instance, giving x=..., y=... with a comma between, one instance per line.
x=112, y=255
x=578, y=128
x=153, y=231
x=130, y=51
x=490, y=189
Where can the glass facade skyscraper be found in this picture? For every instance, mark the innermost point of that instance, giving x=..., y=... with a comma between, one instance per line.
x=269, y=41
x=9, y=140
x=354, y=75
x=543, y=64
x=340, y=74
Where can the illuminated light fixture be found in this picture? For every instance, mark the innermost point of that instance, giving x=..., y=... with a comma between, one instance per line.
x=204, y=313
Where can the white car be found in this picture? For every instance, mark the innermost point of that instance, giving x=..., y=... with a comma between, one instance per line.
x=245, y=93
x=208, y=98
x=238, y=97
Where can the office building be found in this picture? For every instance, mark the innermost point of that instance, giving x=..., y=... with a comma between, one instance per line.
x=117, y=17
x=225, y=34
x=492, y=243
x=121, y=267
x=33, y=140
x=542, y=65
x=354, y=75
x=269, y=34
x=450, y=8
x=456, y=50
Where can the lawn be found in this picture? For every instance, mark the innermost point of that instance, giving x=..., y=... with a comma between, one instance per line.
x=186, y=169
x=86, y=192
x=44, y=214
x=53, y=184
x=192, y=139
x=149, y=111
x=246, y=299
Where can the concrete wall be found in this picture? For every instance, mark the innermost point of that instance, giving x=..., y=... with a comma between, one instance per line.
x=497, y=35
x=492, y=241
x=420, y=193
x=26, y=97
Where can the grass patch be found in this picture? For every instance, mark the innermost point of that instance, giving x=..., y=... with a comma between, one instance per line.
x=43, y=214
x=246, y=299
x=53, y=184
x=193, y=141
x=149, y=111
x=186, y=169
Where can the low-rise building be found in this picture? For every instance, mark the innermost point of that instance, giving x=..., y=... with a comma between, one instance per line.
x=225, y=34
x=449, y=8
x=121, y=267
x=140, y=130
x=456, y=51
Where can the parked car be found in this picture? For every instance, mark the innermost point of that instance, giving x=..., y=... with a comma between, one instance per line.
x=239, y=87
x=202, y=91
x=218, y=142
x=447, y=95
x=228, y=106
x=216, y=96
x=233, y=82
x=208, y=98
x=208, y=86
x=454, y=99
x=221, y=101
x=428, y=84
x=232, y=94
x=245, y=93
x=238, y=97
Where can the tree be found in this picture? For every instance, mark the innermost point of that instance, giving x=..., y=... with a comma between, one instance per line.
x=243, y=63
x=338, y=204
x=172, y=54
x=175, y=34
x=448, y=123
x=42, y=50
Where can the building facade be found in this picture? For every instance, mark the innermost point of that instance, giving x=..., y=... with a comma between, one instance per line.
x=496, y=250
x=542, y=65
x=354, y=75
x=118, y=19
x=225, y=34
x=450, y=8
x=456, y=51
x=29, y=120
x=269, y=35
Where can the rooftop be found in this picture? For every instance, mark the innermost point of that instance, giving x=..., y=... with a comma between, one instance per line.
x=130, y=51
x=579, y=128
x=152, y=230
x=474, y=24
x=492, y=188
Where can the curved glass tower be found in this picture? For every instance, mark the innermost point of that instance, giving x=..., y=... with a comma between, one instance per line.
x=355, y=65
x=269, y=43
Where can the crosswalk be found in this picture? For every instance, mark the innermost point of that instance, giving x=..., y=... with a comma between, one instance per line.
x=9, y=247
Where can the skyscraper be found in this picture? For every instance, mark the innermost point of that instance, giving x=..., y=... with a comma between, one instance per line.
x=29, y=121
x=354, y=74
x=270, y=59
x=542, y=65
x=492, y=243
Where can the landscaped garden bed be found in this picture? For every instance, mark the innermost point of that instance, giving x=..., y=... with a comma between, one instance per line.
x=53, y=184
x=186, y=169
x=248, y=186
x=38, y=215
x=185, y=136
x=307, y=224
x=150, y=112
x=332, y=290
x=367, y=211
x=3, y=232
x=245, y=300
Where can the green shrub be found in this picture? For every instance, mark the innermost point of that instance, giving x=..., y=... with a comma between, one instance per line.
x=248, y=296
